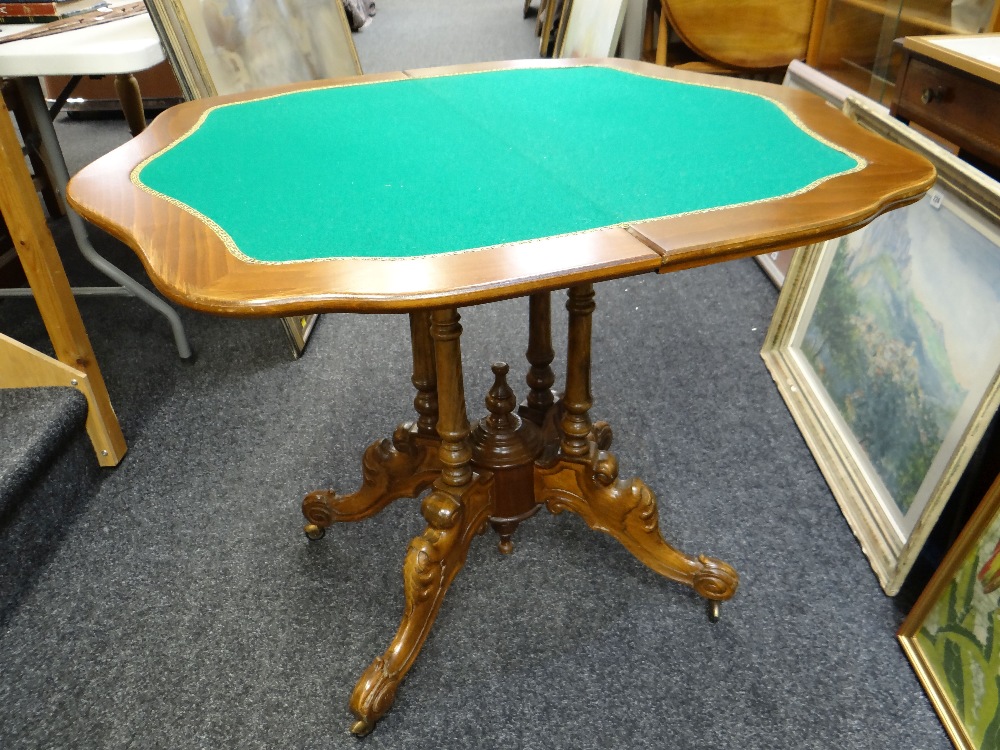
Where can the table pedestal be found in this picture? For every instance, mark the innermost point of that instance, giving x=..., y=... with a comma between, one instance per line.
x=500, y=473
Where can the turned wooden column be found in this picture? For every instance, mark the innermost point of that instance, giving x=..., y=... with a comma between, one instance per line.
x=453, y=423
x=424, y=373
x=540, y=354
x=576, y=427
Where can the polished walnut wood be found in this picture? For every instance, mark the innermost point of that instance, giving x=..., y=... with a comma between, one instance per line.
x=507, y=445
x=548, y=452
x=454, y=515
x=540, y=355
x=206, y=276
x=392, y=469
x=457, y=508
x=500, y=473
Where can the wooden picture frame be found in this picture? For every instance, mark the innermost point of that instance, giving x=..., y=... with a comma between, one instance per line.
x=230, y=46
x=803, y=77
x=299, y=328
x=952, y=634
x=591, y=28
x=885, y=345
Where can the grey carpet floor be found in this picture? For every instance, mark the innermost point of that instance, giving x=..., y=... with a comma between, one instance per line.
x=181, y=606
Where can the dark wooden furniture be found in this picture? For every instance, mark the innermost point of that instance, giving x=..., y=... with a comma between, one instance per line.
x=546, y=451
x=947, y=86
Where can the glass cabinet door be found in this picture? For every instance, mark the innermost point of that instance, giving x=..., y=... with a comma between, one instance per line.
x=854, y=41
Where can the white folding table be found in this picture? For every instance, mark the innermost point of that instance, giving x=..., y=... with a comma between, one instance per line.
x=118, y=48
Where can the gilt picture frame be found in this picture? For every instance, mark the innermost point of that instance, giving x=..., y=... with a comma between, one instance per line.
x=230, y=46
x=952, y=634
x=885, y=345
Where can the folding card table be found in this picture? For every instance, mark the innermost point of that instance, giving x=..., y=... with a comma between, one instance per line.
x=257, y=205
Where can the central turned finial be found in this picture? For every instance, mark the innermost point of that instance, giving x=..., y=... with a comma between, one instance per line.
x=501, y=401
x=506, y=445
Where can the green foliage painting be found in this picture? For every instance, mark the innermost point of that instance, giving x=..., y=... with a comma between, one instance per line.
x=894, y=339
x=960, y=640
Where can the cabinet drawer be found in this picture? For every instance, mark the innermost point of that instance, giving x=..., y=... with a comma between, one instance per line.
x=963, y=109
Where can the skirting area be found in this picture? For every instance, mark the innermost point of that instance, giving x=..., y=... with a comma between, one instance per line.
x=182, y=607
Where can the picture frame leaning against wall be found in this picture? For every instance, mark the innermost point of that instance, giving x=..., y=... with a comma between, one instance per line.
x=952, y=634
x=885, y=345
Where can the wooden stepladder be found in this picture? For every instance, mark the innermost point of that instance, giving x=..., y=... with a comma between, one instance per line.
x=75, y=364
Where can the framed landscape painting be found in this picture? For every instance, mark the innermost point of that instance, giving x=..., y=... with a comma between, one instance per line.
x=885, y=345
x=952, y=635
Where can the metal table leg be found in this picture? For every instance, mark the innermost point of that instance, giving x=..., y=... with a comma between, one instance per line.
x=34, y=100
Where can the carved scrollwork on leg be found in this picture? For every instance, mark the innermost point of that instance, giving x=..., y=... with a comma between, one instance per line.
x=379, y=691
x=601, y=434
x=433, y=560
x=401, y=467
x=715, y=580
x=590, y=487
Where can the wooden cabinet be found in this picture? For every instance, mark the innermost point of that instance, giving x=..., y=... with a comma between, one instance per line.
x=950, y=85
x=852, y=40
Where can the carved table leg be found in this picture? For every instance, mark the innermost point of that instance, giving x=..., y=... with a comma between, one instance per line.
x=431, y=563
x=404, y=466
x=543, y=406
x=130, y=97
x=456, y=510
x=584, y=479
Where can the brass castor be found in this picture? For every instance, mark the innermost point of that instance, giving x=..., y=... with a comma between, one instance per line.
x=713, y=610
x=360, y=728
x=314, y=532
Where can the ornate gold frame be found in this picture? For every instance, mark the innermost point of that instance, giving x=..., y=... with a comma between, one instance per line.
x=955, y=563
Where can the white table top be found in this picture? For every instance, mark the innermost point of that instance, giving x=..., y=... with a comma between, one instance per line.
x=985, y=47
x=124, y=46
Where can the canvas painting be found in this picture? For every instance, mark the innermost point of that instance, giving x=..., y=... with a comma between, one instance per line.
x=906, y=332
x=239, y=45
x=952, y=636
x=885, y=345
x=593, y=28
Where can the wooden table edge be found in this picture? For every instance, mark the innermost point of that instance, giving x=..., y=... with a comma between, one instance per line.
x=634, y=248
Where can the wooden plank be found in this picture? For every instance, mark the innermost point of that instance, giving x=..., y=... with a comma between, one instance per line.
x=25, y=367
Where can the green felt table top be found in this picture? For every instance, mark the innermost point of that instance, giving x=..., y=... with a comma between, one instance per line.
x=433, y=165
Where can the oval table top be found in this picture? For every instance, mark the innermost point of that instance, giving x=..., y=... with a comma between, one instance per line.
x=468, y=184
